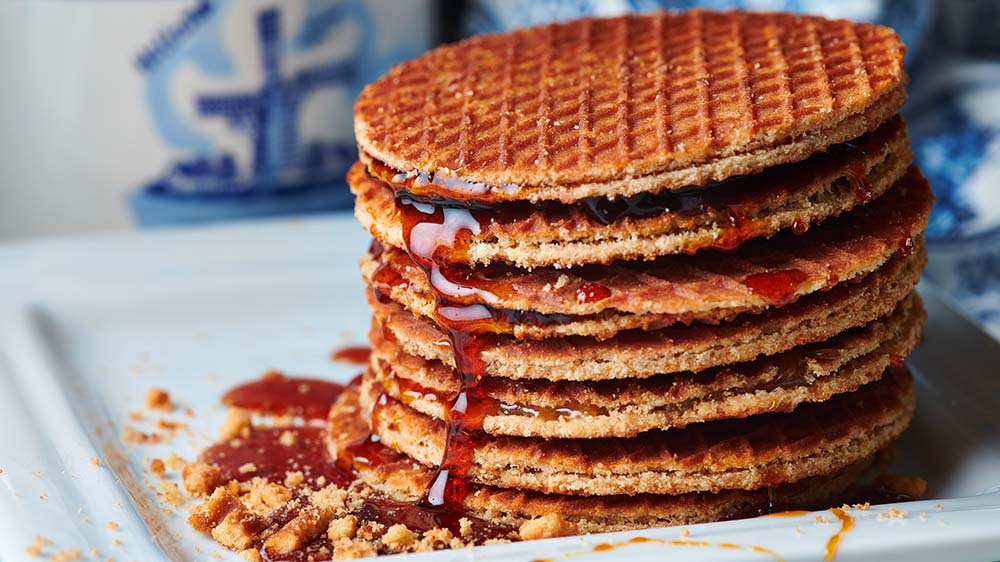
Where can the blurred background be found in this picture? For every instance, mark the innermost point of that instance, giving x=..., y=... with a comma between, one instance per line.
x=146, y=113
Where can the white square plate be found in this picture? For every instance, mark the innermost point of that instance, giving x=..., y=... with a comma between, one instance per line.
x=87, y=325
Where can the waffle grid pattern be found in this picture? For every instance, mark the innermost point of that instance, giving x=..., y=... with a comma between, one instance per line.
x=597, y=99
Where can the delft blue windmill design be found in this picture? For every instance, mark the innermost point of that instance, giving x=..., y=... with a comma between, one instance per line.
x=270, y=116
x=271, y=113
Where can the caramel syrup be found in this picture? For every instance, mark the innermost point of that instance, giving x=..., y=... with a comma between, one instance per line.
x=273, y=460
x=354, y=355
x=464, y=286
x=846, y=524
x=278, y=395
x=777, y=287
x=605, y=547
x=729, y=200
x=428, y=231
x=791, y=513
x=272, y=453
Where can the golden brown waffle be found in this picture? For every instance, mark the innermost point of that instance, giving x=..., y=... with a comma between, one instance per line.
x=814, y=440
x=632, y=103
x=708, y=287
x=639, y=354
x=721, y=216
x=541, y=408
x=404, y=479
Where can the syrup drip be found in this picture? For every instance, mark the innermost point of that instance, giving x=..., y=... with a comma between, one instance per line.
x=777, y=287
x=548, y=413
x=846, y=524
x=278, y=395
x=859, y=182
x=792, y=513
x=428, y=231
x=606, y=547
x=906, y=246
x=592, y=292
x=354, y=355
x=407, y=391
x=464, y=287
x=800, y=226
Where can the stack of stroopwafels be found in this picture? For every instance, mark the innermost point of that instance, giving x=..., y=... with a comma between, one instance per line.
x=638, y=271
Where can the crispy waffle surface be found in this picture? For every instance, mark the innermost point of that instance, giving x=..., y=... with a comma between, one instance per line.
x=696, y=347
x=622, y=105
x=718, y=216
x=709, y=287
x=405, y=480
x=625, y=408
x=815, y=439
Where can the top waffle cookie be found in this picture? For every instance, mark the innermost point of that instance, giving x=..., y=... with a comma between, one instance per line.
x=622, y=105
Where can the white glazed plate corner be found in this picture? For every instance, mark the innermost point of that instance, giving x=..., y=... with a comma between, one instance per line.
x=87, y=325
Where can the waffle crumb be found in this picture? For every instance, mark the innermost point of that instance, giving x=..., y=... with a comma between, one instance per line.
x=685, y=532
x=348, y=549
x=37, y=546
x=171, y=493
x=170, y=427
x=465, y=527
x=174, y=462
x=263, y=497
x=158, y=399
x=294, y=479
x=287, y=438
x=546, y=527
x=157, y=468
x=95, y=461
x=66, y=555
x=238, y=529
x=200, y=478
x=438, y=538
x=342, y=528
x=310, y=523
x=237, y=424
x=113, y=526
x=251, y=555
x=134, y=437
x=399, y=538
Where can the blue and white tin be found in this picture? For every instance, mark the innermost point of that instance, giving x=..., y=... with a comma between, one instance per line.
x=254, y=100
x=186, y=110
